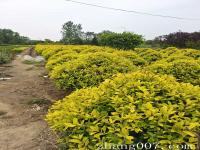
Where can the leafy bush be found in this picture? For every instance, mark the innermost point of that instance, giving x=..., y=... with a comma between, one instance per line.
x=49, y=50
x=68, y=54
x=5, y=56
x=7, y=52
x=60, y=60
x=137, y=60
x=125, y=40
x=57, y=56
x=79, y=50
x=184, y=70
x=192, y=53
x=131, y=108
x=90, y=70
x=149, y=55
x=170, y=51
x=62, y=53
x=175, y=58
x=53, y=51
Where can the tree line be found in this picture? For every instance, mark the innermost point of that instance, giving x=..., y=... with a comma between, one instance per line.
x=73, y=34
x=178, y=39
x=9, y=37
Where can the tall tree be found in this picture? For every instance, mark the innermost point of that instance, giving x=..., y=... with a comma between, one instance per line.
x=71, y=33
x=89, y=38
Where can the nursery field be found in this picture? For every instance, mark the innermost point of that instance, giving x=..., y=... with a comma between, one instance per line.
x=144, y=96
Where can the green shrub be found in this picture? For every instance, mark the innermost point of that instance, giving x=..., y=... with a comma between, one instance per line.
x=54, y=51
x=177, y=57
x=192, y=53
x=67, y=55
x=49, y=52
x=170, y=51
x=94, y=49
x=137, y=60
x=182, y=69
x=80, y=50
x=148, y=54
x=125, y=40
x=60, y=60
x=131, y=108
x=7, y=52
x=64, y=56
x=173, y=51
x=62, y=53
x=89, y=70
x=5, y=56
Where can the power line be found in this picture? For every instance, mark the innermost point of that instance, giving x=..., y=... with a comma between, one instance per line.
x=133, y=11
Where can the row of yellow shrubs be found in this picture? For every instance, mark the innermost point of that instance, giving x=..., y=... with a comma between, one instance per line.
x=124, y=97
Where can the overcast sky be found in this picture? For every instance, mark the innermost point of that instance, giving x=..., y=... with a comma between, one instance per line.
x=40, y=19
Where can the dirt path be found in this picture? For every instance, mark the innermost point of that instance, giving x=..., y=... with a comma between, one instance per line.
x=23, y=103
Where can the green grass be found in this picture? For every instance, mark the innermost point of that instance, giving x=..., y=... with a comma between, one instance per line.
x=19, y=49
x=7, y=52
x=14, y=48
x=29, y=62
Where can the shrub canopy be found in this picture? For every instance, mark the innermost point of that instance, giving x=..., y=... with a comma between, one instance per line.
x=131, y=108
x=184, y=70
x=125, y=40
x=127, y=108
x=90, y=70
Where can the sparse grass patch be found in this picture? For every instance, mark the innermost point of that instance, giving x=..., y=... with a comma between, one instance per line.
x=29, y=62
x=19, y=49
x=39, y=102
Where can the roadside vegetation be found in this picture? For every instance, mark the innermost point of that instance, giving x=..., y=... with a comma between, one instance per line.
x=7, y=52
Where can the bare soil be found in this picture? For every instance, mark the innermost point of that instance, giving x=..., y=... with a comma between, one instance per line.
x=24, y=100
